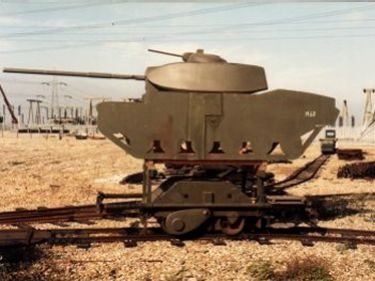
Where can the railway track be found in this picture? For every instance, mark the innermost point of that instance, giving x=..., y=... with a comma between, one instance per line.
x=86, y=213
x=301, y=175
x=26, y=235
x=132, y=236
x=46, y=215
x=80, y=214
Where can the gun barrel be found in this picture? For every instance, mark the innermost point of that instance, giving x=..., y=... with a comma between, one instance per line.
x=73, y=73
x=165, y=53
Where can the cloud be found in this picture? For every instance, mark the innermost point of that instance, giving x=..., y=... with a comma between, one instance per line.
x=243, y=54
x=355, y=16
x=126, y=47
x=5, y=45
x=21, y=22
x=13, y=21
x=301, y=77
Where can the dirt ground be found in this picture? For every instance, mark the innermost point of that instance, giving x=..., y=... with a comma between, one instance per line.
x=36, y=171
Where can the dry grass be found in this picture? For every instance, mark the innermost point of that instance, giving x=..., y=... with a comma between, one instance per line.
x=309, y=268
x=261, y=270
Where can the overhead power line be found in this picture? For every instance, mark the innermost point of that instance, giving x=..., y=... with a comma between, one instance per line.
x=220, y=39
x=238, y=26
x=161, y=17
x=115, y=35
x=175, y=25
x=174, y=36
x=294, y=19
x=71, y=6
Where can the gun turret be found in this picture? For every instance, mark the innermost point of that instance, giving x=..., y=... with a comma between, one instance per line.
x=200, y=72
x=101, y=75
x=198, y=56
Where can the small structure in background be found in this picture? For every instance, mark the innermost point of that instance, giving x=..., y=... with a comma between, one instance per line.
x=91, y=118
x=10, y=108
x=350, y=154
x=328, y=144
x=348, y=129
x=54, y=106
x=368, y=115
x=81, y=135
x=345, y=127
x=345, y=120
x=344, y=115
x=34, y=119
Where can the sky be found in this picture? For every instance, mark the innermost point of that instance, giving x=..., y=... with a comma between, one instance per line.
x=323, y=48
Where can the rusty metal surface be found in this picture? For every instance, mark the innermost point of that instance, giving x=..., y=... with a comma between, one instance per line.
x=46, y=215
x=350, y=154
x=71, y=213
x=188, y=168
x=357, y=170
x=40, y=130
x=134, y=209
x=304, y=174
x=130, y=236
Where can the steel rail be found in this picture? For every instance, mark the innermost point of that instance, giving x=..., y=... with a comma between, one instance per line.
x=91, y=212
x=301, y=175
x=49, y=214
x=130, y=208
x=65, y=214
x=131, y=236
